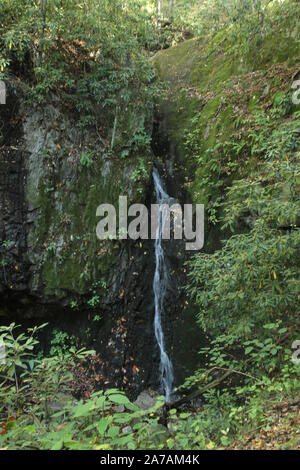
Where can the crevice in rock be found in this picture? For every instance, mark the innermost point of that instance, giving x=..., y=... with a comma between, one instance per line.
x=181, y=331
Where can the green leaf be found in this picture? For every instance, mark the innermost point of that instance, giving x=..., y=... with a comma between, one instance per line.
x=282, y=330
x=119, y=399
x=58, y=445
x=102, y=426
x=248, y=349
x=83, y=410
x=113, y=431
x=270, y=326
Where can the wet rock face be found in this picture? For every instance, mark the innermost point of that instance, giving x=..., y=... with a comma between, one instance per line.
x=54, y=175
x=13, y=211
x=14, y=265
x=132, y=344
x=49, y=254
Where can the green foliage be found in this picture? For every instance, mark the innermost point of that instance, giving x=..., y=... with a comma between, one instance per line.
x=140, y=140
x=45, y=416
x=4, y=248
x=89, y=53
x=86, y=160
x=61, y=343
x=93, y=424
x=255, y=276
x=140, y=174
x=256, y=372
x=240, y=25
x=248, y=291
x=19, y=351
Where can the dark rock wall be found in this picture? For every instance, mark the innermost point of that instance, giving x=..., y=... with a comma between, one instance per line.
x=14, y=263
x=53, y=264
x=49, y=254
x=14, y=273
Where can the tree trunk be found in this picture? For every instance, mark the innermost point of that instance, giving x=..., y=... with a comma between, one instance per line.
x=114, y=128
x=158, y=9
x=44, y=20
x=171, y=10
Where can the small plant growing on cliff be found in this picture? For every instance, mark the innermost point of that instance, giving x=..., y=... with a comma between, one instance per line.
x=61, y=343
x=6, y=244
x=74, y=305
x=94, y=301
x=140, y=175
x=86, y=160
x=3, y=264
x=141, y=139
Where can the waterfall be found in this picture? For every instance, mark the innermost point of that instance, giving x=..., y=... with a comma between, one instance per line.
x=160, y=283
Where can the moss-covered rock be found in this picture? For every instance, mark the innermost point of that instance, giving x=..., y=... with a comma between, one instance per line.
x=69, y=174
x=210, y=86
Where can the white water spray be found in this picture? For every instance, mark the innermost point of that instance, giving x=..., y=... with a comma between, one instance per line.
x=160, y=283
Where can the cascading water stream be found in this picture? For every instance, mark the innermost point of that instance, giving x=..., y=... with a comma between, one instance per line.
x=160, y=283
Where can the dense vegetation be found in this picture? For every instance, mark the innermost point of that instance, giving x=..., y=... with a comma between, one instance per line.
x=95, y=54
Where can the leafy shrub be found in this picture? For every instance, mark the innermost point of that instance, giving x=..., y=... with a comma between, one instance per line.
x=255, y=276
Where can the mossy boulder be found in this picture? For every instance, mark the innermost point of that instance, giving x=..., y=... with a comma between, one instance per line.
x=66, y=172
x=210, y=85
